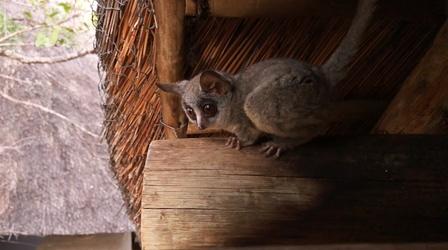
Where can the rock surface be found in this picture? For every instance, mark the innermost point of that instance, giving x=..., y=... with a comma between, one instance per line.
x=54, y=168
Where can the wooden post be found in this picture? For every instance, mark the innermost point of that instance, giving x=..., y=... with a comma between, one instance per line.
x=421, y=106
x=337, y=190
x=170, y=16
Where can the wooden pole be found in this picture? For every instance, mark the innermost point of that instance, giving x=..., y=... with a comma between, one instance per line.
x=170, y=16
x=421, y=106
x=337, y=190
x=401, y=9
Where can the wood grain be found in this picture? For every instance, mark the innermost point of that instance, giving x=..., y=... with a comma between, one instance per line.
x=169, y=61
x=421, y=105
x=378, y=189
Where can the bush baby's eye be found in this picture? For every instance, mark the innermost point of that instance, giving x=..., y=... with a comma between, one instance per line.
x=209, y=109
x=190, y=113
x=307, y=80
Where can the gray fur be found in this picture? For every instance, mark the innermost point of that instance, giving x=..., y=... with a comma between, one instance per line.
x=280, y=98
x=335, y=68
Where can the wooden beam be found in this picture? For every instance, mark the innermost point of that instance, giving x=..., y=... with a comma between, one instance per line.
x=170, y=16
x=377, y=189
x=402, y=9
x=421, y=106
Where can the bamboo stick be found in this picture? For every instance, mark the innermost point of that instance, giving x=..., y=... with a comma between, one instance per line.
x=169, y=61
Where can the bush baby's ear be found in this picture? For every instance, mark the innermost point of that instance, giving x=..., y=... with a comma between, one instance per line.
x=215, y=83
x=175, y=88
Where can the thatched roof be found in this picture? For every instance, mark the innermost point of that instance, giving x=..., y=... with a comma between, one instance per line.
x=125, y=43
x=54, y=169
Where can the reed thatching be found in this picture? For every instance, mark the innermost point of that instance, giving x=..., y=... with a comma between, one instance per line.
x=125, y=43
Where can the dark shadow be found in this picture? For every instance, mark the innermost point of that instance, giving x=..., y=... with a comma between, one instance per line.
x=394, y=189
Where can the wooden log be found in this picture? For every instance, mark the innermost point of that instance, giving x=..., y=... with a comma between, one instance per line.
x=421, y=106
x=402, y=9
x=336, y=190
x=169, y=61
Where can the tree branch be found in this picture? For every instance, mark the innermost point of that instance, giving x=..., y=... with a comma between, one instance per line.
x=13, y=34
x=15, y=44
x=32, y=28
x=44, y=60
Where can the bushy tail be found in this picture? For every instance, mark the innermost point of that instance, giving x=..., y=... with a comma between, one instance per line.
x=335, y=68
